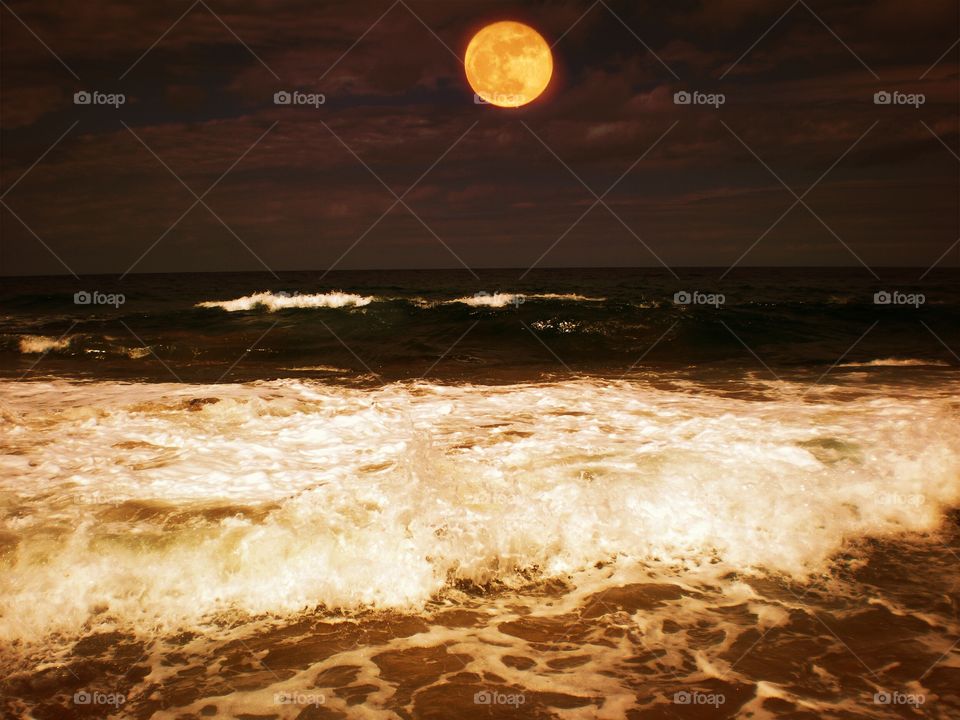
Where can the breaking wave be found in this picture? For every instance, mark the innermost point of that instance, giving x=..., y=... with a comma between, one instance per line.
x=499, y=300
x=42, y=343
x=167, y=505
x=897, y=362
x=282, y=301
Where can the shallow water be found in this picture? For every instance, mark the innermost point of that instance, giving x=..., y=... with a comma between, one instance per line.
x=576, y=548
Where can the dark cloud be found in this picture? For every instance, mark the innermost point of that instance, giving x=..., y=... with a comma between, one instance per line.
x=199, y=99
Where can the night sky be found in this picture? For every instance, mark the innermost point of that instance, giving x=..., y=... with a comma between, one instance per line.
x=296, y=187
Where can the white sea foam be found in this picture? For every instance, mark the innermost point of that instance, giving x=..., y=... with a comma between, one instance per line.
x=898, y=362
x=494, y=300
x=282, y=301
x=137, y=353
x=42, y=343
x=318, y=368
x=150, y=506
x=500, y=299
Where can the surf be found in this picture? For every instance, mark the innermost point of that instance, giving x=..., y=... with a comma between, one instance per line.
x=171, y=504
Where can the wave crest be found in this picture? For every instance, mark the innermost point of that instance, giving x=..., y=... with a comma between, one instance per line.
x=499, y=299
x=282, y=301
x=43, y=343
x=898, y=362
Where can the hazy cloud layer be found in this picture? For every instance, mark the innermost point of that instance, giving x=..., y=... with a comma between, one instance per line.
x=798, y=100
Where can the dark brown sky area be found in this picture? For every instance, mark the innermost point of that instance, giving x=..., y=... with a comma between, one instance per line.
x=302, y=187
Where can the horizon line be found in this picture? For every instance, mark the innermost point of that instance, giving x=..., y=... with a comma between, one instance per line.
x=460, y=269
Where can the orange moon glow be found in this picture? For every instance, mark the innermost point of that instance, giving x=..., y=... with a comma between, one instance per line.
x=508, y=64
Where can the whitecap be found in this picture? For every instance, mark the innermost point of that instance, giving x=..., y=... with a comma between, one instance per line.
x=282, y=301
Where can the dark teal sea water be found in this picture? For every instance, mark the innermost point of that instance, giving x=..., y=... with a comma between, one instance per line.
x=351, y=326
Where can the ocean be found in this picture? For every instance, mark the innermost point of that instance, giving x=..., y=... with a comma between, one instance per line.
x=601, y=493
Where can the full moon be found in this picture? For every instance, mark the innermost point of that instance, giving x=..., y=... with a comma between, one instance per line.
x=508, y=64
